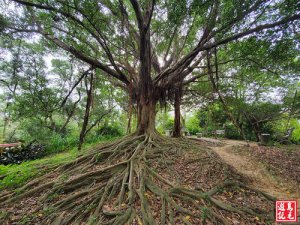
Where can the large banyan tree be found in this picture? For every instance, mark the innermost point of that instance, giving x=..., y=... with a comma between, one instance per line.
x=150, y=48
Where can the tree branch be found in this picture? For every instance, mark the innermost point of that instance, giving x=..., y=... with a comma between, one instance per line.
x=70, y=49
x=189, y=57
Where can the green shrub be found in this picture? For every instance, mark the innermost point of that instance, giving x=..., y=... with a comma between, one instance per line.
x=59, y=143
x=192, y=124
x=231, y=132
x=109, y=130
x=94, y=137
x=169, y=124
x=296, y=133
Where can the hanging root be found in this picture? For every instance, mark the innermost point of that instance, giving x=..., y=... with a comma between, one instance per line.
x=120, y=184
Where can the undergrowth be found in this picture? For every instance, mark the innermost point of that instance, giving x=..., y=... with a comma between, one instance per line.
x=15, y=175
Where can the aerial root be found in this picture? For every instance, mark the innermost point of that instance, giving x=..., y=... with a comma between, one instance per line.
x=113, y=181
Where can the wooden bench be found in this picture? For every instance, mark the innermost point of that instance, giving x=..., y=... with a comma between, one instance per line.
x=220, y=132
x=199, y=135
x=4, y=147
x=169, y=133
x=10, y=145
x=287, y=136
x=186, y=133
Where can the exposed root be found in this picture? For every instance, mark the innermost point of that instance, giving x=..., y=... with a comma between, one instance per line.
x=118, y=183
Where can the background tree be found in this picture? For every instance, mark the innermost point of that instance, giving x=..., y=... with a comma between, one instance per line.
x=46, y=103
x=244, y=77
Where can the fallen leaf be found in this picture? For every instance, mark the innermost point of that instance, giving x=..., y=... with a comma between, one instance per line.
x=139, y=221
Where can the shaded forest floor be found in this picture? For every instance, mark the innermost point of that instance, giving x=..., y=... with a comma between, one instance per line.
x=194, y=165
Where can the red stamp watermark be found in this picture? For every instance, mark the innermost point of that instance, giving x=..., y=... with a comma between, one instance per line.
x=286, y=211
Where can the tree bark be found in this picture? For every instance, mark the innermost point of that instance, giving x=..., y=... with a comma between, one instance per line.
x=257, y=132
x=128, y=130
x=4, y=127
x=87, y=111
x=146, y=91
x=146, y=117
x=177, y=103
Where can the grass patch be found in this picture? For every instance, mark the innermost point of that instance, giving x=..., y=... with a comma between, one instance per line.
x=16, y=175
x=290, y=147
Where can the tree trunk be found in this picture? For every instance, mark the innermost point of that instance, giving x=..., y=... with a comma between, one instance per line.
x=177, y=103
x=146, y=118
x=6, y=121
x=146, y=101
x=257, y=132
x=217, y=90
x=87, y=111
x=128, y=131
x=4, y=127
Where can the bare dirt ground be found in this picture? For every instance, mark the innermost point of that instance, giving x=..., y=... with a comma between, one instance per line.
x=250, y=166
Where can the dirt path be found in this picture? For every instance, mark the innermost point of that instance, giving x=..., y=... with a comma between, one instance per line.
x=256, y=171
